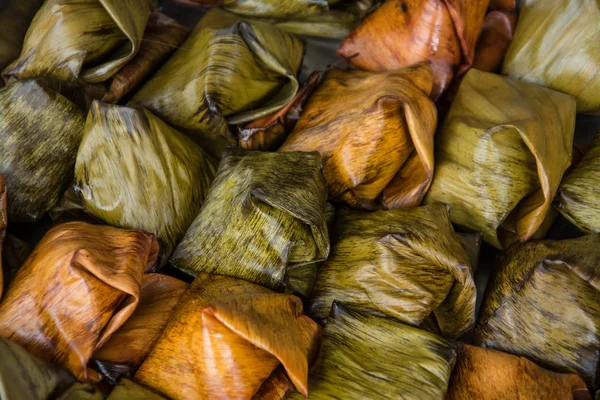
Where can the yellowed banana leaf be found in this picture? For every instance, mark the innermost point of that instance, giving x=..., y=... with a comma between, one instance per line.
x=129, y=390
x=15, y=17
x=81, y=40
x=579, y=193
x=500, y=155
x=557, y=50
x=268, y=132
x=229, y=71
x=335, y=24
x=162, y=36
x=488, y=374
x=368, y=357
x=388, y=161
x=65, y=301
x=81, y=391
x=544, y=304
x=472, y=243
x=225, y=340
x=40, y=132
x=128, y=347
x=264, y=211
x=406, y=264
x=134, y=171
x=23, y=376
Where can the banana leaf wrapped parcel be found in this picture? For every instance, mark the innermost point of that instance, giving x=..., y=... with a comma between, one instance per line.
x=405, y=32
x=578, y=197
x=15, y=17
x=66, y=300
x=369, y=357
x=230, y=70
x=489, y=374
x=240, y=333
x=40, y=132
x=501, y=154
x=81, y=40
x=129, y=390
x=406, y=264
x=81, y=391
x=3, y=225
x=544, y=304
x=388, y=161
x=264, y=211
x=127, y=348
x=134, y=171
x=24, y=376
x=556, y=49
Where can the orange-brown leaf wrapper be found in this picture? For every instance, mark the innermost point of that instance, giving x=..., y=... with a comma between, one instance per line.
x=133, y=341
x=405, y=32
x=489, y=374
x=496, y=34
x=162, y=36
x=225, y=339
x=374, y=131
x=64, y=302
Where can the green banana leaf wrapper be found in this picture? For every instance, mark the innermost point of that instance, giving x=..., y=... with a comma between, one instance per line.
x=407, y=264
x=578, y=197
x=82, y=391
x=501, y=154
x=15, y=17
x=264, y=211
x=134, y=171
x=230, y=70
x=81, y=40
x=128, y=390
x=556, y=49
x=544, y=304
x=368, y=357
x=24, y=376
x=40, y=132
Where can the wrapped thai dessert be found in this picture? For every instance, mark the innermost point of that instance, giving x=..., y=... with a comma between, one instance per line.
x=555, y=49
x=368, y=357
x=388, y=161
x=127, y=348
x=225, y=339
x=134, y=171
x=407, y=264
x=81, y=391
x=81, y=40
x=578, y=197
x=23, y=376
x=405, y=32
x=40, y=132
x=71, y=294
x=230, y=70
x=268, y=133
x=128, y=390
x=15, y=17
x=500, y=155
x=496, y=35
x=543, y=304
x=489, y=374
x=264, y=211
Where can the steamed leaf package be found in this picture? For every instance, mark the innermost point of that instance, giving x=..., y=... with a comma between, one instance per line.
x=407, y=264
x=81, y=391
x=240, y=333
x=128, y=347
x=128, y=390
x=23, y=376
x=405, y=32
x=15, y=17
x=544, y=304
x=500, y=155
x=489, y=374
x=81, y=40
x=368, y=357
x=264, y=211
x=557, y=49
x=579, y=194
x=496, y=35
x=134, y=171
x=3, y=225
x=228, y=71
x=389, y=160
x=40, y=132
x=65, y=301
